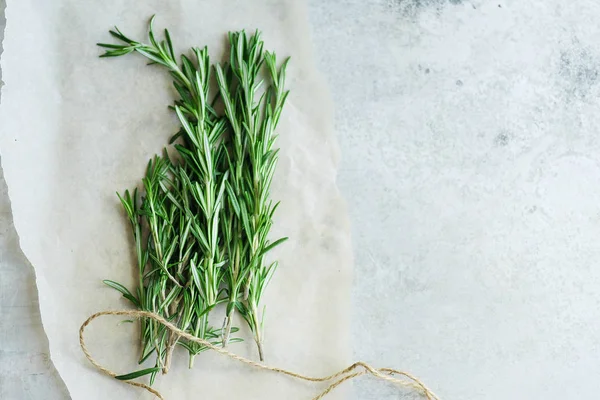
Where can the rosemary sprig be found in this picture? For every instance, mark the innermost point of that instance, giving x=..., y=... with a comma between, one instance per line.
x=182, y=206
x=200, y=228
x=251, y=163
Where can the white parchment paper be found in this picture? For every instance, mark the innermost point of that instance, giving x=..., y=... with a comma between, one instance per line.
x=75, y=128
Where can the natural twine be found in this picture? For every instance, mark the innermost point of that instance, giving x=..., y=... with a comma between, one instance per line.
x=353, y=371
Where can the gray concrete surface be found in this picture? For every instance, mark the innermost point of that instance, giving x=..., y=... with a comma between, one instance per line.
x=26, y=371
x=469, y=139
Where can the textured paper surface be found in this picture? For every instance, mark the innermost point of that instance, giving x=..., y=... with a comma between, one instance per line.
x=75, y=129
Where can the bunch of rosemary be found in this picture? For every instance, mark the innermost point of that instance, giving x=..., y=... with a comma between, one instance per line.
x=201, y=224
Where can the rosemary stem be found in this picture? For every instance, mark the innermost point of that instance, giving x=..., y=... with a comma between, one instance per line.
x=233, y=284
x=200, y=332
x=257, y=332
x=170, y=347
x=172, y=341
x=227, y=327
x=191, y=361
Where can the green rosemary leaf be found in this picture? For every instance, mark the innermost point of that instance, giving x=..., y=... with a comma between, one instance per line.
x=187, y=127
x=128, y=205
x=152, y=55
x=267, y=275
x=117, y=53
x=198, y=194
x=241, y=307
x=111, y=46
x=126, y=293
x=117, y=34
x=153, y=376
x=273, y=245
x=190, y=161
x=195, y=276
x=147, y=352
x=203, y=312
x=137, y=374
x=246, y=221
x=169, y=44
x=172, y=295
x=177, y=135
x=184, y=93
x=186, y=346
x=151, y=31
x=232, y=199
x=187, y=67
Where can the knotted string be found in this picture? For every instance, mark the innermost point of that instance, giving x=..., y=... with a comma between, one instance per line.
x=355, y=370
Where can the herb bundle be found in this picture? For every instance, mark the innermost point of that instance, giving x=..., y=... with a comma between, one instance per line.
x=201, y=223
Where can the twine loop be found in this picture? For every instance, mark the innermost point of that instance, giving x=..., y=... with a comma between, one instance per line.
x=400, y=378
